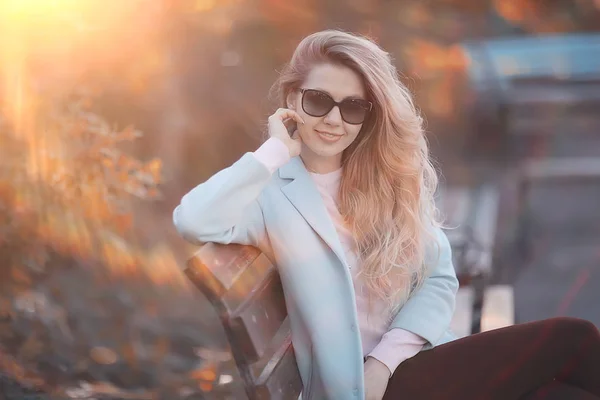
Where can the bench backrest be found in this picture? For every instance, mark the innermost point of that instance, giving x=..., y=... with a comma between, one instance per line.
x=245, y=289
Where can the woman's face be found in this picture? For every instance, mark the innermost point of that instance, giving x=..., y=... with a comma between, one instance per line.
x=325, y=138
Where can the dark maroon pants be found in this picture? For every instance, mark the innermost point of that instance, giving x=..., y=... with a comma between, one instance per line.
x=556, y=358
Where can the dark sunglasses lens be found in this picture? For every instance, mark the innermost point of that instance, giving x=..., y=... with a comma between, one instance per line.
x=316, y=103
x=354, y=111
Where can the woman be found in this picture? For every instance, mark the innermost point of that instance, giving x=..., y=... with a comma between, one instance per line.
x=344, y=207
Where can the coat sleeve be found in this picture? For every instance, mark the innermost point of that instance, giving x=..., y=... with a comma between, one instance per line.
x=428, y=312
x=225, y=209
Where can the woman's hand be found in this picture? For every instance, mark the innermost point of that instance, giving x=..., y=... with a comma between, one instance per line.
x=377, y=376
x=279, y=130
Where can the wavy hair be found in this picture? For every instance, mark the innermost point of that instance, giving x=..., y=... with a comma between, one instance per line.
x=388, y=181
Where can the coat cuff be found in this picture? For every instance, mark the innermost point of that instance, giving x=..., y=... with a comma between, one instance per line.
x=272, y=154
x=396, y=346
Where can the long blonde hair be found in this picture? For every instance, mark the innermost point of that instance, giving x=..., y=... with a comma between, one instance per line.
x=388, y=182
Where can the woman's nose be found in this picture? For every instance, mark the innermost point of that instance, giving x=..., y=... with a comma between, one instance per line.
x=334, y=117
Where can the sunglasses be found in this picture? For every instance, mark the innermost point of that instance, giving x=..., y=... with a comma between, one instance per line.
x=318, y=104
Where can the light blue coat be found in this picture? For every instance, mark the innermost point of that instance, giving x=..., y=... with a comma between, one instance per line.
x=283, y=215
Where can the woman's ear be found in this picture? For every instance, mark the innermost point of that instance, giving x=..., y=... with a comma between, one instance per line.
x=290, y=100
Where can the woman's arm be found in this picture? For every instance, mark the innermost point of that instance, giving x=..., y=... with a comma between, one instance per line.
x=225, y=209
x=428, y=312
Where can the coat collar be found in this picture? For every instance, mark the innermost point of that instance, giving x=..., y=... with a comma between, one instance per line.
x=304, y=195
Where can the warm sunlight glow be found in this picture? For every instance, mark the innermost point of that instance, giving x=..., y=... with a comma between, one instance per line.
x=49, y=48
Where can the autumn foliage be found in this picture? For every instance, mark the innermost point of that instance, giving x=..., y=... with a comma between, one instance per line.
x=67, y=184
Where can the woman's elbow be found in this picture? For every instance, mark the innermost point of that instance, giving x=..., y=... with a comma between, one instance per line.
x=453, y=284
x=185, y=226
x=452, y=279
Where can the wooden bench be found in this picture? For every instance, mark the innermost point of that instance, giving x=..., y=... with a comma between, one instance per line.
x=245, y=290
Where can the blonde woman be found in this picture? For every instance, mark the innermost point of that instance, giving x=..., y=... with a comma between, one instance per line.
x=343, y=205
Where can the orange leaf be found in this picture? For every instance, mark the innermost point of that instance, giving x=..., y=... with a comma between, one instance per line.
x=103, y=355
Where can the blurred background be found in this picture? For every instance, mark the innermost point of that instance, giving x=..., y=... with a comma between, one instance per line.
x=111, y=110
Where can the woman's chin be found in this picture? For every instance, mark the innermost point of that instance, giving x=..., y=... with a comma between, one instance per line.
x=325, y=150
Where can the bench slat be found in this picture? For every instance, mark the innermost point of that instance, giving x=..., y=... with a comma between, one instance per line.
x=258, y=318
x=280, y=378
x=216, y=267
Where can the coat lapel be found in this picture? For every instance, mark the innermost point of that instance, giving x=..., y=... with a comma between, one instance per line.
x=304, y=195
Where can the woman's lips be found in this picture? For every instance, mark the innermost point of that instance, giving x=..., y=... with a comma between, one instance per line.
x=328, y=137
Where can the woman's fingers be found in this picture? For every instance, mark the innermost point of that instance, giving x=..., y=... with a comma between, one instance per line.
x=285, y=113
